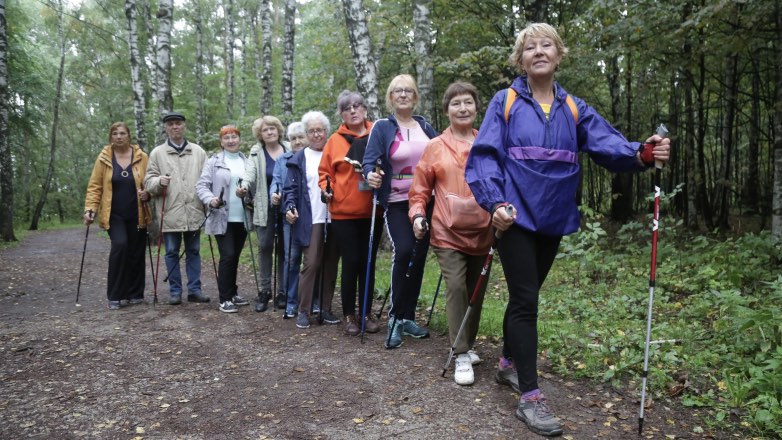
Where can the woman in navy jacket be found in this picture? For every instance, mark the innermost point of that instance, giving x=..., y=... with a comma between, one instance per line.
x=394, y=147
x=527, y=157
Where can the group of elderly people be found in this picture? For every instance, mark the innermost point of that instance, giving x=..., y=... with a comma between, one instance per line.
x=511, y=186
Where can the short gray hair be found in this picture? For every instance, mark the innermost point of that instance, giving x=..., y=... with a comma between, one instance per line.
x=296, y=128
x=346, y=98
x=313, y=116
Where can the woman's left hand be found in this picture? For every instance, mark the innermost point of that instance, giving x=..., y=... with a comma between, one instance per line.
x=662, y=148
x=143, y=195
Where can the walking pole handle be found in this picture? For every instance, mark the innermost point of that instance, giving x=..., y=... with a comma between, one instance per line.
x=661, y=131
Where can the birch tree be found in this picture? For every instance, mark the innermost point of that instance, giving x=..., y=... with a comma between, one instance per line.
x=288, y=48
x=139, y=104
x=422, y=43
x=266, y=70
x=776, y=213
x=165, y=101
x=364, y=62
x=199, y=73
x=229, y=58
x=6, y=165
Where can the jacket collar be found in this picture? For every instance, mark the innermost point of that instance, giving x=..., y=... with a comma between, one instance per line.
x=107, y=152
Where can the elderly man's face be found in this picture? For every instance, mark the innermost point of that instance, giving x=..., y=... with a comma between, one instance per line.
x=175, y=130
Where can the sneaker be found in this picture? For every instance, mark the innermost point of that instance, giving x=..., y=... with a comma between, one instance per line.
x=303, y=321
x=462, y=373
x=175, y=300
x=507, y=375
x=135, y=301
x=351, y=326
x=281, y=301
x=315, y=309
x=394, y=337
x=113, y=305
x=228, y=307
x=370, y=325
x=197, y=298
x=262, y=301
x=410, y=328
x=288, y=315
x=474, y=357
x=329, y=318
x=239, y=301
x=538, y=417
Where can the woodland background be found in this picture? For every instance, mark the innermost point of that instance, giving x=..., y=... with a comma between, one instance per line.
x=710, y=70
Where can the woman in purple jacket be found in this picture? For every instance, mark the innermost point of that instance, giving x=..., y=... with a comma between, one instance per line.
x=526, y=156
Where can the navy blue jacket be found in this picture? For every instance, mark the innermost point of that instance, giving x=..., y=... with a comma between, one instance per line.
x=296, y=194
x=532, y=162
x=379, y=144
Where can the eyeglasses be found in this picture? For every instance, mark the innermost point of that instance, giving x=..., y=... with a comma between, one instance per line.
x=401, y=91
x=315, y=131
x=351, y=107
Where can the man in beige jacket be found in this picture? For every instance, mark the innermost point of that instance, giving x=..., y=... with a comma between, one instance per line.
x=174, y=168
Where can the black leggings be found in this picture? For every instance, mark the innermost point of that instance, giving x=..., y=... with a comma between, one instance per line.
x=526, y=260
x=353, y=238
x=230, y=246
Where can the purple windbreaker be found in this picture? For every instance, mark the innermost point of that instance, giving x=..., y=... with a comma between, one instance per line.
x=532, y=163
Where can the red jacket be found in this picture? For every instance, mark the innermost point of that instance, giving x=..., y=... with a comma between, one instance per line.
x=458, y=222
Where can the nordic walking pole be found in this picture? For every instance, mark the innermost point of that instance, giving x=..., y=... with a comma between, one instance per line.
x=325, y=200
x=249, y=237
x=369, y=258
x=287, y=275
x=476, y=292
x=658, y=167
x=83, y=253
x=383, y=306
x=431, y=310
x=275, y=263
x=159, y=240
x=409, y=271
x=195, y=232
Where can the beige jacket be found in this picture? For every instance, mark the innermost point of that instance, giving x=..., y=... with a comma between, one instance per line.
x=255, y=180
x=99, y=189
x=184, y=212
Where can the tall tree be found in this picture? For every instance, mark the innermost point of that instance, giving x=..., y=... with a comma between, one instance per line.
x=288, y=49
x=229, y=58
x=422, y=42
x=139, y=104
x=6, y=164
x=776, y=214
x=199, y=73
x=165, y=100
x=364, y=62
x=47, y=183
x=266, y=72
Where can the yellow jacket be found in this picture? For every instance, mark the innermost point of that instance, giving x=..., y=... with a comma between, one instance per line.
x=99, y=189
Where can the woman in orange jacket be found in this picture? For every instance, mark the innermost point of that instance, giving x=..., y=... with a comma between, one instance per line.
x=460, y=233
x=350, y=205
x=116, y=194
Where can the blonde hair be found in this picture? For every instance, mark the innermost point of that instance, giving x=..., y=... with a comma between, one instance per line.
x=402, y=80
x=535, y=30
x=267, y=120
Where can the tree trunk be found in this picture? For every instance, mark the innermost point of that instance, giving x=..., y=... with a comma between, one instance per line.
x=229, y=58
x=288, y=48
x=165, y=101
x=47, y=183
x=266, y=72
x=6, y=164
x=243, y=86
x=139, y=105
x=363, y=61
x=621, y=183
x=776, y=213
x=422, y=42
x=727, y=184
x=700, y=177
x=200, y=118
x=750, y=194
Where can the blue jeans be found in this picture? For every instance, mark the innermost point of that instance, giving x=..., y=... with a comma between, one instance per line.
x=292, y=265
x=192, y=261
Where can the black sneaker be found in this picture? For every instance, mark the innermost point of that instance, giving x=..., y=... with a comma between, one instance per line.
x=197, y=298
x=303, y=321
x=538, y=417
x=329, y=318
x=228, y=307
x=281, y=301
x=175, y=300
x=239, y=301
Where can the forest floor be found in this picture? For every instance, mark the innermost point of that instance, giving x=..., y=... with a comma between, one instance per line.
x=192, y=372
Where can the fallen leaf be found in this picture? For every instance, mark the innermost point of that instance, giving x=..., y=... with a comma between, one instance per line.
x=139, y=430
x=358, y=421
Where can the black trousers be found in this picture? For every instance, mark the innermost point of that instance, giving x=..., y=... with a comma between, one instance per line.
x=126, y=275
x=230, y=246
x=353, y=238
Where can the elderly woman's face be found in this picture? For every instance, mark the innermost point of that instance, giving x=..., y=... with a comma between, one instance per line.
x=230, y=142
x=403, y=96
x=353, y=115
x=120, y=137
x=316, y=134
x=269, y=134
x=540, y=57
x=298, y=141
x=462, y=111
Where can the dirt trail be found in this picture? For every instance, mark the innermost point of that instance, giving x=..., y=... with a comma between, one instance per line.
x=191, y=372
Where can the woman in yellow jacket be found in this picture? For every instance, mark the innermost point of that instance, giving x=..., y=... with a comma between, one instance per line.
x=116, y=194
x=460, y=235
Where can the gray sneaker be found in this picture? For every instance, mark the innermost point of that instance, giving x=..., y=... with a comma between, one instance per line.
x=303, y=321
x=538, y=417
x=410, y=328
x=507, y=375
x=228, y=307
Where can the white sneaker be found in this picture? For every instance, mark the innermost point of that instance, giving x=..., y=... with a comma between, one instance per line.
x=463, y=374
x=474, y=359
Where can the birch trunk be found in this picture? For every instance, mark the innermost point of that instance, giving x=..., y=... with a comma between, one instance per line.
x=363, y=60
x=139, y=105
x=257, y=54
x=6, y=164
x=266, y=71
x=288, y=51
x=422, y=43
x=47, y=183
x=243, y=86
x=165, y=101
x=229, y=59
x=199, y=73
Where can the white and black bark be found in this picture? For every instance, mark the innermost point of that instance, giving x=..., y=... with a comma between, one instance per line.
x=165, y=101
x=200, y=116
x=266, y=72
x=364, y=61
x=6, y=164
x=139, y=104
x=228, y=7
x=422, y=43
x=288, y=52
